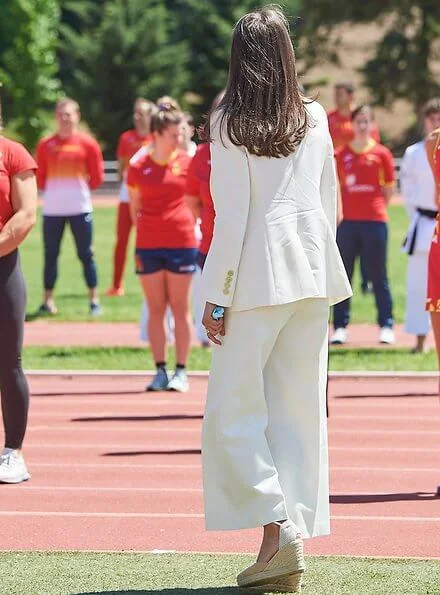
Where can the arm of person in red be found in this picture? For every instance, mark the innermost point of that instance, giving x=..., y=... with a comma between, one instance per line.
x=95, y=164
x=41, y=158
x=388, y=180
x=192, y=195
x=21, y=169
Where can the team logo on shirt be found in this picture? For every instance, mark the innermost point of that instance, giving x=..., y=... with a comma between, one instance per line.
x=147, y=171
x=350, y=180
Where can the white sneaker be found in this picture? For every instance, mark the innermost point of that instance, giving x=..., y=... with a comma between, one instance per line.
x=339, y=337
x=12, y=467
x=386, y=335
x=179, y=382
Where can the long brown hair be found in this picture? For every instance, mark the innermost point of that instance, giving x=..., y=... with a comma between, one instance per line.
x=262, y=108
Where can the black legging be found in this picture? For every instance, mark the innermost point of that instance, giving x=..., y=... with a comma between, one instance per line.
x=13, y=385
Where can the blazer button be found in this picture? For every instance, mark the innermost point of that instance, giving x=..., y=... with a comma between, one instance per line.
x=230, y=274
x=226, y=291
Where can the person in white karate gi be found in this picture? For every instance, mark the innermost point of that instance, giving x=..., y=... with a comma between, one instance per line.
x=274, y=268
x=418, y=191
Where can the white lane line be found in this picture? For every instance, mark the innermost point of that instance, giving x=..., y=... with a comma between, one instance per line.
x=60, y=400
x=160, y=429
x=170, y=449
x=78, y=466
x=162, y=490
x=182, y=515
x=165, y=489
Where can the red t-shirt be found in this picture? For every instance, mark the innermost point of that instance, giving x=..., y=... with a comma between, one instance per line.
x=14, y=159
x=130, y=142
x=362, y=177
x=341, y=129
x=164, y=219
x=197, y=184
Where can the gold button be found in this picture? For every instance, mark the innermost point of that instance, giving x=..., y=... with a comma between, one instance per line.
x=226, y=291
x=228, y=283
x=230, y=274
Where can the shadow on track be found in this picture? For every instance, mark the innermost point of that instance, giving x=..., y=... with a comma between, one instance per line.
x=138, y=418
x=136, y=453
x=370, y=498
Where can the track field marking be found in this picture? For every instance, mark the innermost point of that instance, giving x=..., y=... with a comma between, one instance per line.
x=170, y=448
x=181, y=515
x=165, y=489
x=38, y=464
x=197, y=429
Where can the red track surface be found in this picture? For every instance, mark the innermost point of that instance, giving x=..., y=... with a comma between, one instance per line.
x=115, y=468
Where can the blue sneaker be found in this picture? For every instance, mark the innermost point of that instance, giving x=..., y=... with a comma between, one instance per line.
x=179, y=382
x=95, y=309
x=159, y=382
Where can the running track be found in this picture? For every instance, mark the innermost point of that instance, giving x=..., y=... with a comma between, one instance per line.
x=115, y=468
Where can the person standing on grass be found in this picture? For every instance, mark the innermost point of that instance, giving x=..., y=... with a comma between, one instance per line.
x=166, y=250
x=18, y=205
x=341, y=130
x=366, y=176
x=70, y=165
x=418, y=191
x=432, y=145
x=129, y=143
x=274, y=268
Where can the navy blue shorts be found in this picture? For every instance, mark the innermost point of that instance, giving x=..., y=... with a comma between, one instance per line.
x=176, y=260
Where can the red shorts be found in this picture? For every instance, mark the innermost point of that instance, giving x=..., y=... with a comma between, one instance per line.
x=433, y=297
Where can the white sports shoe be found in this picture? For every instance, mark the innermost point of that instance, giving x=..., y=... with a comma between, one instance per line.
x=179, y=382
x=386, y=335
x=339, y=337
x=12, y=467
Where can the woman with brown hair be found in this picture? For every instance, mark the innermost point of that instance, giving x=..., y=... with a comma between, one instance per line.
x=273, y=270
x=165, y=241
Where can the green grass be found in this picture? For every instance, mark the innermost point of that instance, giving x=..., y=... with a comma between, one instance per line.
x=84, y=573
x=139, y=358
x=71, y=291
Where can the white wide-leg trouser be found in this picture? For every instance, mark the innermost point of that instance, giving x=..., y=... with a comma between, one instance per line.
x=417, y=320
x=264, y=446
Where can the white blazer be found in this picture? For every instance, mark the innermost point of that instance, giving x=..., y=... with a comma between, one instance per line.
x=275, y=225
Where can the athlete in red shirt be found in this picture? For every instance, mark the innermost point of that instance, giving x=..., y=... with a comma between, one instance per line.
x=129, y=143
x=199, y=197
x=70, y=165
x=366, y=176
x=166, y=250
x=18, y=205
x=340, y=119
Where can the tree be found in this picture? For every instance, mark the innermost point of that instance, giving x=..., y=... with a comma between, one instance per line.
x=207, y=25
x=127, y=54
x=402, y=65
x=28, y=66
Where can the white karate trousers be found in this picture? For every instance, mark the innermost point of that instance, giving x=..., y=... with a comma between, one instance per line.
x=264, y=445
x=417, y=320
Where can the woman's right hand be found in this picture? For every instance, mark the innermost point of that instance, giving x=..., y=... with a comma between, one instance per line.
x=213, y=327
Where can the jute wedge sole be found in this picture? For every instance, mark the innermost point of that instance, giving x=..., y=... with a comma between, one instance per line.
x=287, y=584
x=287, y=563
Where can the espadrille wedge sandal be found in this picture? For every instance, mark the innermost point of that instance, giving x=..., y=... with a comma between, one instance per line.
x=284, y=571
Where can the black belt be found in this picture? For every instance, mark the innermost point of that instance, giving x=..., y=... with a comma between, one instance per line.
x=429, y=214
